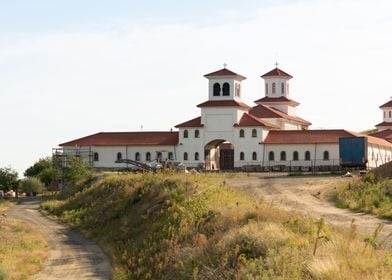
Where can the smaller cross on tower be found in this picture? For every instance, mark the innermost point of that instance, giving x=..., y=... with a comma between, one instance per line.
x=224, y=65
x=276, y=64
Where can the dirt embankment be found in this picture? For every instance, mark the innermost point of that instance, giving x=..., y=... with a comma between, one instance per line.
x=309, y=195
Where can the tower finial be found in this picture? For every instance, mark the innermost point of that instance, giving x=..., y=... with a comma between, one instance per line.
x=276, y=64
x=224, y=65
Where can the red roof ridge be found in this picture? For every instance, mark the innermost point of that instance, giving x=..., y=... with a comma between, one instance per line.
x=276, y=72
x=196, y=122
x=223, y=103
x=224, y=72
x=280, y=99
x=249, y=120
x=279, y=114
x=387, y=104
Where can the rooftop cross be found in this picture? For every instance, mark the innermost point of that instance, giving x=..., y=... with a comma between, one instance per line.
x=276, y=64
x=224, y=65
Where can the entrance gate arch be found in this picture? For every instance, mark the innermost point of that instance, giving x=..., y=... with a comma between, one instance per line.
x=219, y=155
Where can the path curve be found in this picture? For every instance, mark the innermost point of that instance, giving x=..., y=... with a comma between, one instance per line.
x=309, y=195
x=71, y=255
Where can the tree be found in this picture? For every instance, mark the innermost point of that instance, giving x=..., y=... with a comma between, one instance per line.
x=78, y=170
x=8, y=179
x=42, y=169
x=31, y=184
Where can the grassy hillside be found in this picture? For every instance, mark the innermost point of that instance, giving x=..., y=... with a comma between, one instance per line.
x=23, y=249
x=191, y=226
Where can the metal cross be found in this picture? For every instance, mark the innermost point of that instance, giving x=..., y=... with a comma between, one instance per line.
x=224, y=65
x=276, y=64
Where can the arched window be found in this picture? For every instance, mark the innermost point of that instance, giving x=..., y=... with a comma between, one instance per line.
x=170, y=156
x=295, y=155
x=326, y=155
x=237, y=90
x=197, y=133
x=307, y=155
x=148, y=156
x=196, y=156
x=282, y=87
x=242, y=156
x=137, y=156
x=119, y=156
x=96, y=157
x=266, y=88
x=389, y=113
x=217, y=89
x=254, y=156
x=273, y=88
x=226, y=89
x=185, y=156
x=242, y=133
x=271, y=156
x=159, y=156
x=185, y=133
x=254, y=133
x=282, y=155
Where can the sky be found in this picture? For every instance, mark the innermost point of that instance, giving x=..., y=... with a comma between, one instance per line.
x=77, y=67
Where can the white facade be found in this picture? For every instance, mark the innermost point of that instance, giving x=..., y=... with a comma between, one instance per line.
x=228, y=136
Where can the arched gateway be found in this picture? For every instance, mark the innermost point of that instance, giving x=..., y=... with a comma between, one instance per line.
x=219, y=155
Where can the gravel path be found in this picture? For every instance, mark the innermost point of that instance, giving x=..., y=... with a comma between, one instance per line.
x=71, y=255
x=309, y=195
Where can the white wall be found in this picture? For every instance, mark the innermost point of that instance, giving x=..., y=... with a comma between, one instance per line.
x=378, y=155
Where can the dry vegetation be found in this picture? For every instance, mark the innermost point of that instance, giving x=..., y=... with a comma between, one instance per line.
x=171, y=226
x=22, y=249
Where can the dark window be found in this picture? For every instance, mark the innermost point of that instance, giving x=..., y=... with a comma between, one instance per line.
x=196, y=156
x=96, y=157
x=295, y=155
x=137, y=156
x=282, y=85
x=148, y=156
x=242, y=156
x=282, y=155
x=226, y=89
x=273, y=88
x=159, y=156
x=170, y=155
x=271, y=156
x=254, y=133
x=217, y=89
x=254, y=156
x=197, y=133
x=242, y=133
x=119, y=156
x=185, y=156
x=266, y=88
x=326, y=155
x=307, y=155
x=185, y=133
x=389, y=113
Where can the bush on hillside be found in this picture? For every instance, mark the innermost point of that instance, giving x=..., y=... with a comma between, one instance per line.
x=32, y=184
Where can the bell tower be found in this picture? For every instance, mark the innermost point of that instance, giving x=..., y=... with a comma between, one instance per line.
x=224, y=84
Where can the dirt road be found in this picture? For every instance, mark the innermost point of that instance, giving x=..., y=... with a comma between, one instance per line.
x=71, y=255
x=308, y=195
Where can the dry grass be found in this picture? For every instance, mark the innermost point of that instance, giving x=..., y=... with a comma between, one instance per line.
x=22, y=249
x=176, y=226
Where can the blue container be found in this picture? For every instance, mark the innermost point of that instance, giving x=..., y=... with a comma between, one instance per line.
x=353, y=151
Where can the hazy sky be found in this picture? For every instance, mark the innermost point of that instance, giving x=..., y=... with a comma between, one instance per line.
x=72, y=68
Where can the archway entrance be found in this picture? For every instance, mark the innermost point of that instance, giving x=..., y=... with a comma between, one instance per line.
x=219, y=155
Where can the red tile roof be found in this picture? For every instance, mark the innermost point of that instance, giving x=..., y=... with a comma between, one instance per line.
x=276, y=73
x=224, y=72
x=267, y=112
x=223, y=103
x=281, y=99
x=387, y=105
x=196, y=122
x=248, y=120
x=317, y=137
x=384, y=124
x=159, y=138
x=384, y=134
